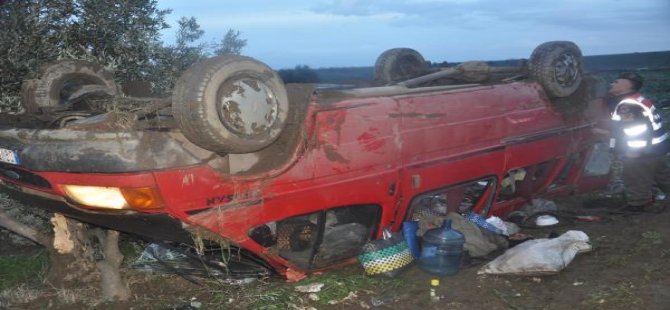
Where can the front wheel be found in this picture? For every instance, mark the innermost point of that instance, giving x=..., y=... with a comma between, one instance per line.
x=230, y=104
x=557, y=65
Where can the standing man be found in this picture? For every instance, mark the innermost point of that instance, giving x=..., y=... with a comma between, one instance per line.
x=640, y=140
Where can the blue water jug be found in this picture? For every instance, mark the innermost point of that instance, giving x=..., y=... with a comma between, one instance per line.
x=442, y=250
x=409, y=229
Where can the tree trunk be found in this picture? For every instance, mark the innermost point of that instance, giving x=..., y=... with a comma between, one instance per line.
x=113, y=287
x=71, y=255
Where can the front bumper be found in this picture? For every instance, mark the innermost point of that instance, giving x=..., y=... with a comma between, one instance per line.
x=69, y=150
x=153, y=227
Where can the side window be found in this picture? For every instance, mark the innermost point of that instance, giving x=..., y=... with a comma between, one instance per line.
x=321, y=238
x=431, y=208
x=345, y=232
x=523, y=182
x=599, y=161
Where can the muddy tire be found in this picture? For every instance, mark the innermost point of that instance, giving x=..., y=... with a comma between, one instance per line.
x=557, y=65
x=64, y=82
x=399, y=64
x=230, y=104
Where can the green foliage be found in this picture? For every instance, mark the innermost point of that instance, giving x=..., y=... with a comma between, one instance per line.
x=170, y=61
x=15, y=270
x=301, y=74
x=123, y=35
x=230, y=44
x=31, y=32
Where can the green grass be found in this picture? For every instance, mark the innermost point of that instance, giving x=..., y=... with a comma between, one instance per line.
x=337, y=289
x=15, y=270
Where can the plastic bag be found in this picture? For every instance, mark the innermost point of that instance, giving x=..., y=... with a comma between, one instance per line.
x=388, y=256
x=481, y=222
x=499, y=224
x=539, y=256
x=156, y=258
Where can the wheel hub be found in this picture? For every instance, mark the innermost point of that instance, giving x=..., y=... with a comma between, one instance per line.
x=566, y=70
x=247, y=106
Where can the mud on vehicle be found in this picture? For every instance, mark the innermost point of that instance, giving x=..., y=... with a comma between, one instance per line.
x=297, y=178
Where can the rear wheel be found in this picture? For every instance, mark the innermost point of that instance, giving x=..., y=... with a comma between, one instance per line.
x=68, y=84
x=230, y=104
x=557, y=65
x=399, y=64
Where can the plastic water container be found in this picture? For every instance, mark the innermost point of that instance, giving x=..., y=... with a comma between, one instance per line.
x=409, y=229
x=442, y=250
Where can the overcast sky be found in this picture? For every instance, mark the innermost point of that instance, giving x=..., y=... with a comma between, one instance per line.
x=347, y=33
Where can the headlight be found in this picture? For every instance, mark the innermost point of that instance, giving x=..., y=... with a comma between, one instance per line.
x=115, y=198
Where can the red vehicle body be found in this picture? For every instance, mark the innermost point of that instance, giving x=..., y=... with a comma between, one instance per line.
x=355, y=162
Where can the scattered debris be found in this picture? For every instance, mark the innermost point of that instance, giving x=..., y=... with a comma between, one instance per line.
x=479, y=242
x=546, y=220
x=499, y=224
x=351, y=296
x=383, y=299
x=309, y=288
x=195, y=304
x=587, y=218
x=156, y=258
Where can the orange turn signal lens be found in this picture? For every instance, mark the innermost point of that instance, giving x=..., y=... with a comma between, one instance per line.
x=142, y=198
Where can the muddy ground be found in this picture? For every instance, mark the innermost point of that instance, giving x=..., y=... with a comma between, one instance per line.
x=628, y=268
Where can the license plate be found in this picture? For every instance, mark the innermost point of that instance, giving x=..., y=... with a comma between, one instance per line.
x=9, y=156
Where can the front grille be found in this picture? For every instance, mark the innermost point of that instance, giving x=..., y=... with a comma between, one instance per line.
x=21, y=176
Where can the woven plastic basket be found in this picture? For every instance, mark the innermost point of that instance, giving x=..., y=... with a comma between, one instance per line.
x=388, y=256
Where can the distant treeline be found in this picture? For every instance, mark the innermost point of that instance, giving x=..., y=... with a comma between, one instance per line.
x=632, y=61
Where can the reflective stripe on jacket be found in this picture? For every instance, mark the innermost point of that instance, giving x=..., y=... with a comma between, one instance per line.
x=641, y=134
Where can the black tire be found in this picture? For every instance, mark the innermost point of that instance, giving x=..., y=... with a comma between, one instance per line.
x=557, y=65
x=211, y=105
x=61, y=80
x=399, y=64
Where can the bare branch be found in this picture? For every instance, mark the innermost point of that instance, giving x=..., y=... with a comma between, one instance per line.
x=26, y=231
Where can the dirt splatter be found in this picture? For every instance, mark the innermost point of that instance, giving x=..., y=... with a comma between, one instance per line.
x=333, y=155
x=369, y=140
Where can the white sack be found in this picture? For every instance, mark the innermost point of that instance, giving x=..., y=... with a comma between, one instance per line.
x=539, y=256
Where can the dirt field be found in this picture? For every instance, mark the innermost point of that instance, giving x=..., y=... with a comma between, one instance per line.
x=628, y=268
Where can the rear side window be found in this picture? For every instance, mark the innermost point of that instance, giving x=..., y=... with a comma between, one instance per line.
x=321, y=238
x=431, y=208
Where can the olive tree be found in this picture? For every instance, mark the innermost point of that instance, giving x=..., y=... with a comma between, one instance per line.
x=124, y=36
